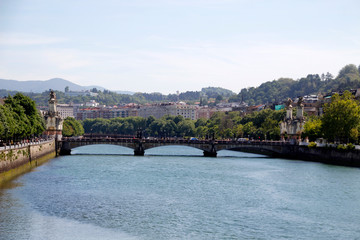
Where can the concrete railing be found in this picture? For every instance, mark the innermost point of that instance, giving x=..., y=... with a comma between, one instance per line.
x=25, y=144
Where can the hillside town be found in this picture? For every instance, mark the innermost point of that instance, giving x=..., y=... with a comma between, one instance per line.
x=313, y=106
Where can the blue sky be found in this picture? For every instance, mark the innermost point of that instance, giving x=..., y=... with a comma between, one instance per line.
x=169, y=45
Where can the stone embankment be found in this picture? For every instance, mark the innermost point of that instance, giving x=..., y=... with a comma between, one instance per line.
x=328, y=155
x=18, y=159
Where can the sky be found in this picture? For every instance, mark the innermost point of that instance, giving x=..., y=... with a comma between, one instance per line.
x=176, y=45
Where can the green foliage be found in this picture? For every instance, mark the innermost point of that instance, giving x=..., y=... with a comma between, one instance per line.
x=223, y=125
x=213, y=92
x=19, y=118
x=341, y=147
x=312, y=145
x=312, y=128
x=350, y=146
x=72, y=127
x=279, y=90
x=111, y=98
x=340, y=117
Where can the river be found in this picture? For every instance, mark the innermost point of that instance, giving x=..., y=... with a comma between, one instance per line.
x=103, y=192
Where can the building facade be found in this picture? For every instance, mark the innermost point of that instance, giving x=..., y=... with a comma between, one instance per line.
x=66, y=110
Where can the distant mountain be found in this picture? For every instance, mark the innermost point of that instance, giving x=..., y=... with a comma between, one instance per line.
x=35, y=86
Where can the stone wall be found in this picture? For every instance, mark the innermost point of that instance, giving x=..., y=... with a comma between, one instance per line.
x=328, y=155
x=21, y=158
x=317, y=154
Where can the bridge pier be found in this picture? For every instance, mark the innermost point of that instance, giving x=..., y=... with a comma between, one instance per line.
x=63, y=152
x=139, y=149
x=212, y=152
x=62, y=148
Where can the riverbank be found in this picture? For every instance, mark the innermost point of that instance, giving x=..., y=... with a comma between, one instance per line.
x=19, y=159
x=341, y=157
x=327, y=155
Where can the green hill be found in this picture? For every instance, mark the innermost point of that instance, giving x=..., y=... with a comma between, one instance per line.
x=283, y=88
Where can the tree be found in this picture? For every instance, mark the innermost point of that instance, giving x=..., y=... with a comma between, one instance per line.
x=20, y=118
x=340, y=117
x=239, y=130
x=72, y=127
x=348, y=69
x=218, y=99
x=249, y=129
x=270, y=129
x=186, y=128
x=328, y=77
x=312, y=129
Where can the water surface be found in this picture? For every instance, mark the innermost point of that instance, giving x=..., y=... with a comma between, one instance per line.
x=163, y=196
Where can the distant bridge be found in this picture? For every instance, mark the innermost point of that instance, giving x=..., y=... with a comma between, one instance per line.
x=209, y=147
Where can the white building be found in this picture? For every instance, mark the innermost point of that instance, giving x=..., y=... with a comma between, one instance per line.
x=92, y=103
x=187, y=111
x=65, y=110
x=156, y=110
x=174, y=109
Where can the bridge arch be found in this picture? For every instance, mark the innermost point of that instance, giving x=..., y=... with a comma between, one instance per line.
x=98, y=149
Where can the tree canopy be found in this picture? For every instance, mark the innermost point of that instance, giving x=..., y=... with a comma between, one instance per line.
x=19, y=118
x=341, y=118
x=72, y=127
x=258, y=125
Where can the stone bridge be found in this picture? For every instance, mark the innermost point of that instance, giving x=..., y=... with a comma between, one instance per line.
x=209, y=147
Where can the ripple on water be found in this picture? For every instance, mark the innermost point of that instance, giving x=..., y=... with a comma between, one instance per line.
x=234, y=196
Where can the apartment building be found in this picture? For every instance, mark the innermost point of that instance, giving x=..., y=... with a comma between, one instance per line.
x=106, y=113
x=65, y=110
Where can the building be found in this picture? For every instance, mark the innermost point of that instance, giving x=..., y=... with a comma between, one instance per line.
x=106, y=113
x=79, y=93
x=311, y=105
x=157, y=110
x=187, y=111
x=92, y=103
x=174, y=109
x=65, y=110
x=292, y=127
x=206, y=112
x=256, y=108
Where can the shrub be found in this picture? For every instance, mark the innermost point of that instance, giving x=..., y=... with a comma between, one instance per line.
x=312, y=145
x=341, y=147
x=350, y=146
